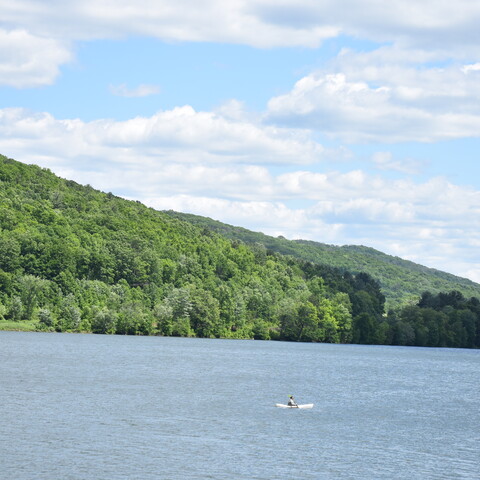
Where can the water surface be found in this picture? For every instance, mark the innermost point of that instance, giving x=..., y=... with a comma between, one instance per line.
x=93, y=407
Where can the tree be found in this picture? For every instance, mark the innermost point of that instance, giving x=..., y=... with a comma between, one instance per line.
x=45, y=318
x=432, y=321
x=10, y=252
x=342, y=311
x=30, y=288
x=104, y=321
x=70, y=315
x=364, y=329
x=133, y=319
x=15, y=312
x=328, y=330
x=404, y=334
x=205, y=314
x=261, y=330
x=308, y=329
x=163, y=315
x=287, y=317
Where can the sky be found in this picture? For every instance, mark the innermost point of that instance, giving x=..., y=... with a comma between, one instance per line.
x=347, y=123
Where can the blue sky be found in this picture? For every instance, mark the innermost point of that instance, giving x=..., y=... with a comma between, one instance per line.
x=356, y=123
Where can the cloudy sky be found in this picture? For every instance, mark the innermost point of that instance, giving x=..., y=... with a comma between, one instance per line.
x=353, y=122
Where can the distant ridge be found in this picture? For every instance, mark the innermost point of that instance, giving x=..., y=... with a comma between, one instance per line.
x=402, y=281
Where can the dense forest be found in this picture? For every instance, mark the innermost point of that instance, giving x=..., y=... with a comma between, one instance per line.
x=79, y=260
x=401, y=281
x=442, y=320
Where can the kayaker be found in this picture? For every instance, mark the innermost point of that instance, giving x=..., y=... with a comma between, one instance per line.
x=292, y=402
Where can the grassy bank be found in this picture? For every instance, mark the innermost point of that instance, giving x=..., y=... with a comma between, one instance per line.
x=21, y=326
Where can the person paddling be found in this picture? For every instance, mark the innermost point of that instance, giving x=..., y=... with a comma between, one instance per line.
x=292, y=402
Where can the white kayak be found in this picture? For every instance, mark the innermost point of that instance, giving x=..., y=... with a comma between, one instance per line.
x=306, y=405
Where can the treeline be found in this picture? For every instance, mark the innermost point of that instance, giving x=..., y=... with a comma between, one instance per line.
x=442, y=320
x=75, y=259
x=78, y=260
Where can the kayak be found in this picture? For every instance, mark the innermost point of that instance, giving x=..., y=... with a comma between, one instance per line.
x=306, y=405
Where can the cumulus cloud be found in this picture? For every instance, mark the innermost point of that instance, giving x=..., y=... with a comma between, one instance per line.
x=387, y=95
x=42, y=33
x=38, y=37
x=363, y=197
x=180, y=135
x=183, y=148
x=426, y=24
x=184, y=20
x=28, y=60
x=263, y=23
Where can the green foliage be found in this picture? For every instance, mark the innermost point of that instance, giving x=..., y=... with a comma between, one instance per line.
x=402, y=282
x=364, y=329
x=76, y=259
x=16, y=309
x=442, y=320
x=70, y=314
x=45, y=318
x=30, y=288
x=261, y=330
x=104, y=321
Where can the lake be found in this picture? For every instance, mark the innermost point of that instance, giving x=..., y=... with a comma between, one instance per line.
x=95, y=407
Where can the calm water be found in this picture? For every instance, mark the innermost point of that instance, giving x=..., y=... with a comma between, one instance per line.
x=109, y=407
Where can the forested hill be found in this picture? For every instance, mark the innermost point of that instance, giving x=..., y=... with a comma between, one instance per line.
x=401, y=281
x=76, y=259
x=79, y=260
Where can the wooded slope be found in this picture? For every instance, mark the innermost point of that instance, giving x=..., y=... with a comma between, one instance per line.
x=401, y=281
x=76, y=259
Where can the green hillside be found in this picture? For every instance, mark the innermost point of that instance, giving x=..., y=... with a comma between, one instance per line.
x=402, y=282
x=76, y=259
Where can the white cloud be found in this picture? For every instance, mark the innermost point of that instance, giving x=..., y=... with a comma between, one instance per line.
x=184, y=20
x=473, y=67
x=469, y=272
x=140, y=91
x=361, y=197
x=264, y=23
x=384, y=96
x=28, y=60
x=179, y=135
x=42, y=32
x=426, y=24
